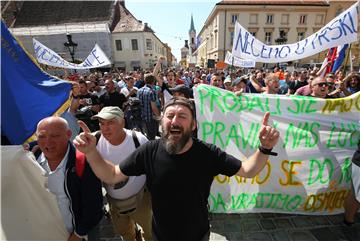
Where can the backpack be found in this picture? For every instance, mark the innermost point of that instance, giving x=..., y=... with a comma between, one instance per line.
x=79, y=160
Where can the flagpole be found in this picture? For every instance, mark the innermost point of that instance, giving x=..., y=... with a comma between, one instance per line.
x=343, y=67
x=351, y=62
x=232, y=64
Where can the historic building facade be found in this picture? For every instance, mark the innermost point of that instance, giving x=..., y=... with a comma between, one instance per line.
x=270, y=21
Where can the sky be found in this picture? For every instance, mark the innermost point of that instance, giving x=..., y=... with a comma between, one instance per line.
x=171, y=19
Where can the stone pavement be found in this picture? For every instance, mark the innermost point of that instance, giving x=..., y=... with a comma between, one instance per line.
x=268, y=227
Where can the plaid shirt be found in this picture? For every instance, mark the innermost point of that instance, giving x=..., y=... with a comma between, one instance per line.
x=146, y=95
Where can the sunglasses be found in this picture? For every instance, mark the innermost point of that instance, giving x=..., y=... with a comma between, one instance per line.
x=323, y=84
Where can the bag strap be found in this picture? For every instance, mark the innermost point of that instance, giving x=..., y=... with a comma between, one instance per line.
x=136, y=140
x=80, y=163
x=97, y=134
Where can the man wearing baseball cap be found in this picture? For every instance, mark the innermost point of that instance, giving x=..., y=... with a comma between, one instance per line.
x=129, y=200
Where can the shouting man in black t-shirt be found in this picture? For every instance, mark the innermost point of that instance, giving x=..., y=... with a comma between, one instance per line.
x=89, y=106
x=112, y=97
x=179, y=204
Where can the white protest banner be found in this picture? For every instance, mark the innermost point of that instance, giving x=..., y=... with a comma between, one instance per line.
x=339, y=31
x=30, y=211
x=311, y=173
x=235, y=61
x=44, y=55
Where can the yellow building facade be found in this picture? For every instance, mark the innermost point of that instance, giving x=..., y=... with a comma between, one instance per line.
x=270, y=21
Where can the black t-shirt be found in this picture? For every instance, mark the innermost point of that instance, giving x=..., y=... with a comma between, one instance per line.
x=180, y=185
x=113, y=99
x=294, y=85
x=251, y=87
x=90, y=99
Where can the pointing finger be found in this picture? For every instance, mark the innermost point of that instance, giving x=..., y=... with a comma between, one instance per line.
x=84, y=127
x=266, y=118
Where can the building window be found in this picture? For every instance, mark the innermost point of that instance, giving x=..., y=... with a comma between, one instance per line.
x=300, y=36
x=134, y=44
x=268, y=37
x=319, y=19
x=231, y=38
x=285, y=19
x=253, y=18
x=148, y=44
x=234, y=18
x=253, y=34
x=302, y=19
x=269, y=18
x=118, y=45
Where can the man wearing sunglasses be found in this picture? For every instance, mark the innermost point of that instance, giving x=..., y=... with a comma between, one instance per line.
x=319, y=88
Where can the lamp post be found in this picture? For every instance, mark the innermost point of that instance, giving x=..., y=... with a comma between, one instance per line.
x=71, y=46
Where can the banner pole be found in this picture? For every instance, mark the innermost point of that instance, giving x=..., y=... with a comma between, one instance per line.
x=343, y=67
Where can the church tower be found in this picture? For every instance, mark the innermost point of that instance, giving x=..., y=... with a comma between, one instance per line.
x=192, y=36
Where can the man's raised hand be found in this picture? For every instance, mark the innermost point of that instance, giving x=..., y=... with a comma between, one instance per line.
x=85, y=141
x=268, y=135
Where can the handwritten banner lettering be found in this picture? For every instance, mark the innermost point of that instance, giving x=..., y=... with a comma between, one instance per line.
x=339, y=31
x=235, y=61
x=311, y=174
x=44, y=55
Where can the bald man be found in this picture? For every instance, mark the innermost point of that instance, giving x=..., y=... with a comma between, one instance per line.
x=79, y=198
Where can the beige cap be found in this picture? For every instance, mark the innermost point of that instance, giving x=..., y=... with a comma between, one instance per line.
x=109, y=112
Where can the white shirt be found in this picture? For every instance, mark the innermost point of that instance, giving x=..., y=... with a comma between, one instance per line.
x=55, y=184
x=117, y=154
x=167, y=96
x=126, y=91
x=100, y=92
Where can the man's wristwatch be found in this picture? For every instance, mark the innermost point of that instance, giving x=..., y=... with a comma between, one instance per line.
x=267, y=151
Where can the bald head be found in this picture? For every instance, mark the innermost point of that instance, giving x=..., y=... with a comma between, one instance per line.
x=53, y=134
x=55, y=121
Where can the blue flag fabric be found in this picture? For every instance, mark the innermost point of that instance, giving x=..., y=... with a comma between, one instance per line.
x=27, y=93
x=341, y=51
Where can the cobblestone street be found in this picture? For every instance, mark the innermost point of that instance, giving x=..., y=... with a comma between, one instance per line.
x=268, y=227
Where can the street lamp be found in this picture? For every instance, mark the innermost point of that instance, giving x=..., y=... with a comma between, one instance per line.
x=71, y=46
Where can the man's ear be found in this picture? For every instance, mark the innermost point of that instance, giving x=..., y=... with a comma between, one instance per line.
x=194, y=124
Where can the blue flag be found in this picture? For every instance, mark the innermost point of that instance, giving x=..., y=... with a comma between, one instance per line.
x=341, y=50
x=27, y=93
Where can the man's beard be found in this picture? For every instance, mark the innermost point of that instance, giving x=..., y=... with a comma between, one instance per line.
x=175, y=147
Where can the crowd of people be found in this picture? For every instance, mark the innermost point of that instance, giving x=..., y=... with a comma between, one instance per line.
x=112, y=117
x=151, y=90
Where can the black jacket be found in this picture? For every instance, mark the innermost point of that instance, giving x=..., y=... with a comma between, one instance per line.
x=85, y=195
